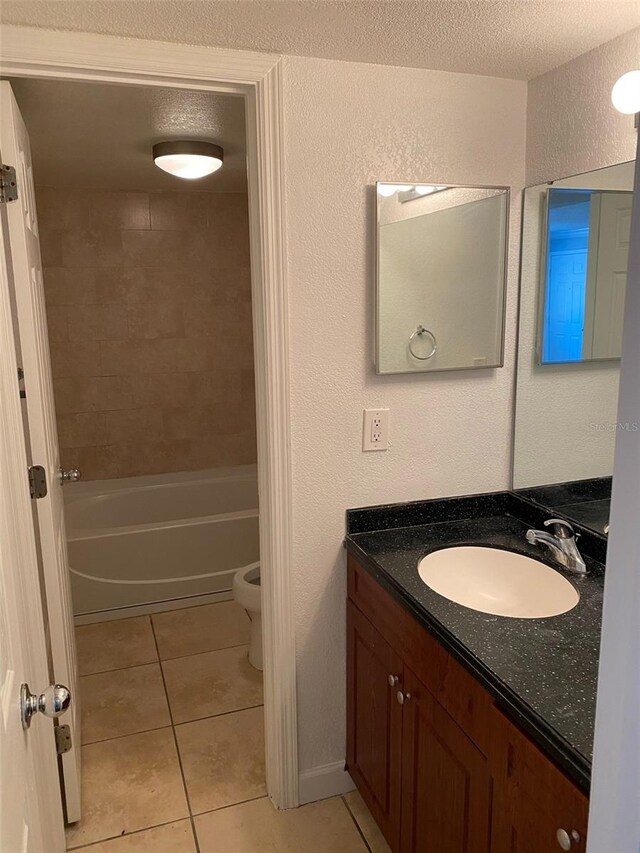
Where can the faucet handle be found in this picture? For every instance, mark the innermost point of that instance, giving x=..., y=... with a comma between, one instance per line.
x=561, y=528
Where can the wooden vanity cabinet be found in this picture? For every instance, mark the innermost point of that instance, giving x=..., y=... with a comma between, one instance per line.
x=374, y=721
x=446, y=780
x=440, y=767
x=537, y=801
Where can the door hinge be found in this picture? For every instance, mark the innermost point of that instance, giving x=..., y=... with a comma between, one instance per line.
x=37, y=482
x=8, y=184
x=23, y=393
x=62, y=735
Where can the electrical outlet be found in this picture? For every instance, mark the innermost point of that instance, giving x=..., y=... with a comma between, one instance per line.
x=375, y=429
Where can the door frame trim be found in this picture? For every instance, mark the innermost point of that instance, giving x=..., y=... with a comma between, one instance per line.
x=257, y=77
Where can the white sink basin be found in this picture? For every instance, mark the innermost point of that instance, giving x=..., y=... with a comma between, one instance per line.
x=499, y=582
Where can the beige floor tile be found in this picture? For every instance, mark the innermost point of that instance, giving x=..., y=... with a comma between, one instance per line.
x=172, y=838
x=128, y=784
x=368, y=826
x=115, y=644
x=200, y=629
x=212, y=683
x=122, y=702
x=256, y=827
x=223, y=759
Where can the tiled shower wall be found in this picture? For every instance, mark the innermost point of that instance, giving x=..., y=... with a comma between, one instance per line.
x=149, y=311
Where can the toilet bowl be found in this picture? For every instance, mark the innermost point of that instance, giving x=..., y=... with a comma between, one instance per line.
x=247, y=593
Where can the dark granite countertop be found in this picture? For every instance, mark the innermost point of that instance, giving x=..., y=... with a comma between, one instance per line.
x=588, y=502
x=543, y=672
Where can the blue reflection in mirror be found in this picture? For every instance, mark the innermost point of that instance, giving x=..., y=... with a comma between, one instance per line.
x=585, y=270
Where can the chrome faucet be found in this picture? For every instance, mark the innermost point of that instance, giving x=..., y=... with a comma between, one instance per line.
x=562, y=544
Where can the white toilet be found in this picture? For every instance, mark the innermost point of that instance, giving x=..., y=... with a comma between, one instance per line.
x=247, y=592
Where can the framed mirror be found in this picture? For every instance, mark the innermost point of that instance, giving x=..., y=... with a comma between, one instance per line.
x=569, y=330
x=440, y=277
x=584, y=274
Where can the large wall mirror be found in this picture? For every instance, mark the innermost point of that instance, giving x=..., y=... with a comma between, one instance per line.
x=441, y=271
x=575, y=240
x=584, y=274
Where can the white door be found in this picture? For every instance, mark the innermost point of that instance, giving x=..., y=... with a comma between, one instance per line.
x=33, y=346
x=30, y=802
x=607, y=277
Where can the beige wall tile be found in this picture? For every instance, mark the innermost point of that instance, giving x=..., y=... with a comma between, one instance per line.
x=323, y=827
x=155, y=248
x=160, y=355
x=57, y=326
x=177, y=211
x=158, y=457
x=216, y=419
x=218, y=320
x=92, y=209
x=82, y=430
x=97, y=463
x=155, y=320
x=128, y=783
x=75, y=394
x=97, y=323
x=64, y=286
x=223, y=759
x=164, y=389
x=96, y=248
x=242, y=448
x=152, y=284
x=133, y=426
x=124, y=271
x=75, y=359
x=219, y=284
x=171, y=838
x=51, y=247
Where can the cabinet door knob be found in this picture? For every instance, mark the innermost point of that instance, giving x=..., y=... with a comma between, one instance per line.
x=565, y=839
x=393, y=680
x=402, y=697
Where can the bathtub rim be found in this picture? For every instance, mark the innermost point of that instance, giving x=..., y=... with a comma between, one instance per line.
x=94, y=490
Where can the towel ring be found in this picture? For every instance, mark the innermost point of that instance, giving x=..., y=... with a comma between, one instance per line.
x=418, y=333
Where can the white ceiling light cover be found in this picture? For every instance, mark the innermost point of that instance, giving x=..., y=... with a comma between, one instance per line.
x=188, y=159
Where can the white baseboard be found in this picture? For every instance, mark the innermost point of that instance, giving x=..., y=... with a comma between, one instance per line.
x=319, y=783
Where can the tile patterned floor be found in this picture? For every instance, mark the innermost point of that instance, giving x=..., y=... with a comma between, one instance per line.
x=183, y=772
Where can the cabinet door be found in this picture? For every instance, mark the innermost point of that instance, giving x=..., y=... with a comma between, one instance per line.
x=446, y=780
x=542, y=811
x=374, y=722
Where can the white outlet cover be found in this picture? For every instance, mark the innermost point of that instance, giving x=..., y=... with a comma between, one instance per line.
x=375, y=429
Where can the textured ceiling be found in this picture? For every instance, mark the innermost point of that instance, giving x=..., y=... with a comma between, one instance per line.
x=504, y=38
x=100, y=135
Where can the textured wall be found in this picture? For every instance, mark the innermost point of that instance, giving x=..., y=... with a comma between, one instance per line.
x=149, y=312
x=348, y=125
x=571, y=124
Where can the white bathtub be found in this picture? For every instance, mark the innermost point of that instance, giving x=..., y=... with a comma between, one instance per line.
x=141, y=541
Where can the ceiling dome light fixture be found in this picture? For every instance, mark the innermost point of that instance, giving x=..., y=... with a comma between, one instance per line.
x=188, y=159
x=625, y=95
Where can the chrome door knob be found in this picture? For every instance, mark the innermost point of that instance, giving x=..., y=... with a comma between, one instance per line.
x=70, y=476
x=402, y=697
x=52, y=703
x=393, y=680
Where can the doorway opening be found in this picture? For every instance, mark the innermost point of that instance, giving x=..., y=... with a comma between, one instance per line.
x=148, y=292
